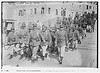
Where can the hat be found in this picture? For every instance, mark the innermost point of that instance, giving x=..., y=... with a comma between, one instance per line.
x=23, y=24
x=52, y=28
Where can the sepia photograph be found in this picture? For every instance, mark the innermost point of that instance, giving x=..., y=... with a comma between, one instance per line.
x=49, y=34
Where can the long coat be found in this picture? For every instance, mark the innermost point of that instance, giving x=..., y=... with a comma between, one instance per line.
x=45, y=37
x=23, y=36
x=61, y=37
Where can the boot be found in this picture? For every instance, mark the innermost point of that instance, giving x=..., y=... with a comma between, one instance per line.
x=60, y=62
x=36, y=59
x=21, y=57
x=46, y=55
x=15, y=54
x=42, y=58
x=61, y=58
x=28, y=58
x=11, y=56
x=66, y=49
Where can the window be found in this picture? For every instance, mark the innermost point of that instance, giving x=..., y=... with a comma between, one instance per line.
x=20, y=13
x=87, y=6
x=93, y=8
x=34, y=10
x=24, y=12
x=42, y=10
x=31, y=11
x=64, y=12
x=56, y=12
x=48, y=10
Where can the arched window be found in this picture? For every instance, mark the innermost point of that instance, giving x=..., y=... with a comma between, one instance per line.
x=64, y=12
x=20, y=13
x=56, y=12
x=24, y=12
x=48, y=10
x=34, y=10
x=31, y=11
x=61, y=11
x=87, y=7
x=93, y=8
x=42, y=10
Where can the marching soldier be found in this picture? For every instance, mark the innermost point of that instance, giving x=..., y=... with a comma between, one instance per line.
x=30, y=26
x=92, y=20
x=76, y=37
x=23, y=34
x=34, y=41
x=53, y=36
x=46, y=39
x=60, y=42
x=70, y=38
x=23, y=38
x=11, y=41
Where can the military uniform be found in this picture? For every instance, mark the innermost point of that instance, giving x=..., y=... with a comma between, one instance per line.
x=61, y=41
x=76, y=38
x=34, y=42
x=70, y=36
x=23, y=38
x=53, y=36
x=30, y=26
x=46, y=40
x=12, y=40
x=81, y=32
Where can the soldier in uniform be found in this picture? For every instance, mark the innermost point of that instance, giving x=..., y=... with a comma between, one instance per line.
x=93, y=20
x=53, y=36
x=70, y=36
x=76, y=38
x=11, y=41
x=23, y=38
x=30, y=26
x=60, y=42
x=34, y=41
x=46, y=39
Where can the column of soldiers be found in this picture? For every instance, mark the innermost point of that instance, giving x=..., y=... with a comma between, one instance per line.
x=35, y=42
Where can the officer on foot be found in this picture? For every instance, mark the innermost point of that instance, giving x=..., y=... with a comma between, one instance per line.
x=46, y=39
x=23, y=38
x=60, y=42
x=34, y=42
x=11, y=41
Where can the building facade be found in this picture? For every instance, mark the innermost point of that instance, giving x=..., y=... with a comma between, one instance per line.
x=43, y=11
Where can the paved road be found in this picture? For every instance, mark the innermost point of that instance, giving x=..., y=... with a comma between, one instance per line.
x=88, y=49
